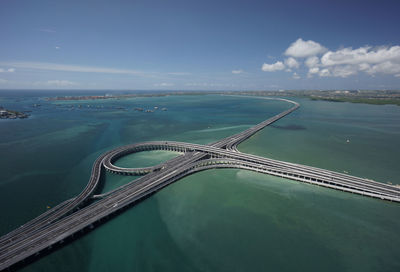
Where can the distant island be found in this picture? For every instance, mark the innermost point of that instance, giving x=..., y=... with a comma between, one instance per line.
x=11, y=114
x=376, y=97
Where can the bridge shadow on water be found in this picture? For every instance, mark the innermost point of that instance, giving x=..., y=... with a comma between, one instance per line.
x=102, y=183
x=72, y=238
x=78, y=235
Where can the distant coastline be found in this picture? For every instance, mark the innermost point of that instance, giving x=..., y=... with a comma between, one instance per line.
x=376, y=97
x=372, y=101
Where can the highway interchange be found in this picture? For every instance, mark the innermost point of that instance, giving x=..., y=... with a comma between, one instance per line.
x=84, y=210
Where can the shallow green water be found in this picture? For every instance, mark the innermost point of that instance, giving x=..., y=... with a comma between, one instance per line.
x=145, y=159
x=216, y=220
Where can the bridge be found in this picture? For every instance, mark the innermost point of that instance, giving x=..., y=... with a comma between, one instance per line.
x=86, y=209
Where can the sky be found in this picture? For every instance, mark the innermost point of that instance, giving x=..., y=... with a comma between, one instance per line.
x=199, y=45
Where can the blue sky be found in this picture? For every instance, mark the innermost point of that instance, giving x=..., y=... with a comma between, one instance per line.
x=199, y=45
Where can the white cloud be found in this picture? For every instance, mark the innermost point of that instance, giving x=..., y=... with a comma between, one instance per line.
x=208, y=85
x=292, y=63
x=364, y=66
x=348, y=61
x=195, y=84
x=179, y=73
x=312, y=71
x=324, y=73
x=9, y=70
x=343, y=71
x=386, y=67
x=71, y=68
x=57, y=47
x=361, y=55
x=343, y=63
x=312, y=62
x=55, y=83
x=58, y=83
x=296, y=76
x=277, y=66
x=303, y=49
x=164, y=84
x=237, y=72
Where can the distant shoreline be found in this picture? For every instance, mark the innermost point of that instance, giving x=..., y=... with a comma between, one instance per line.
x=360, y=97
x=371, y=101
x=373, y=97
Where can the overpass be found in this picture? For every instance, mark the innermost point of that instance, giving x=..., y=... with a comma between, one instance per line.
x=84, y=210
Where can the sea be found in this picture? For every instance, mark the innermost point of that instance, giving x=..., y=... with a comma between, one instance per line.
x=215, y=220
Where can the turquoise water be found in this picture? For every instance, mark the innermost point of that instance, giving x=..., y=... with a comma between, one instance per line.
x=216, y=220
x=145, y=159
x=363, y=140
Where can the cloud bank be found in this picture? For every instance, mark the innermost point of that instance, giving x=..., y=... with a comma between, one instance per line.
x=302, y=49
x=67, y=68
x=9, y=70
x=164, y=84
x=56, y=83
x=277, y=66
x=236, y=72
x=292, y=63
x=342, y=63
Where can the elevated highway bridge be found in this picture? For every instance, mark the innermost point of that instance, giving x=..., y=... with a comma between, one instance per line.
x=82, y=211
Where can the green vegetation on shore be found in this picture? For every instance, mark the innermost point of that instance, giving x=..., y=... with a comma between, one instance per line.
x=374, y=97
x=373, y=101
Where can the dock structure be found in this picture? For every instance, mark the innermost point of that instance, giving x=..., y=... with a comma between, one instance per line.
x=83, y=211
